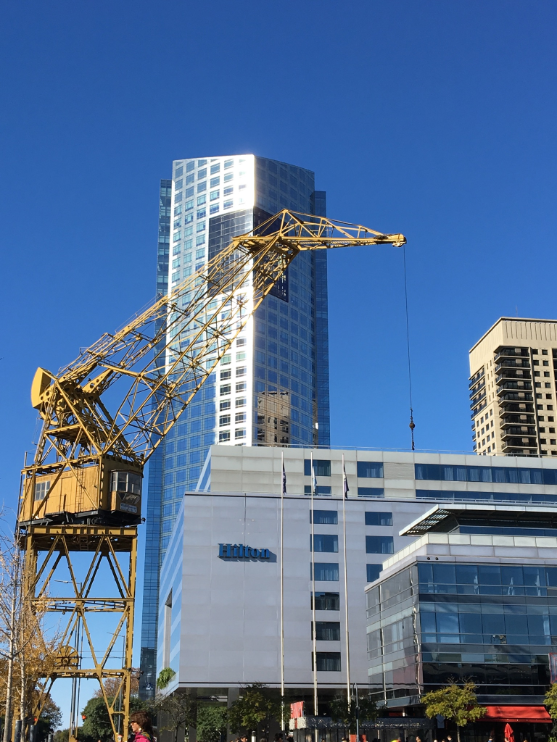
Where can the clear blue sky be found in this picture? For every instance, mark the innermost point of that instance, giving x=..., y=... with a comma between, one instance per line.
x=435, y=119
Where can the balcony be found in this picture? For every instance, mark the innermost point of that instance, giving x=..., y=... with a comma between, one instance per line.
x=522, y=445
x=519, y=430
x=474, y=379
x=510, y=397
x=511, y=353
x=476, y=401
x=512, y=363
x=516, y=419
x=520, y=385
x=513, y=373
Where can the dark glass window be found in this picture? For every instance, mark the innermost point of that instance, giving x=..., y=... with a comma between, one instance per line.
x=379, y=519
x=370, y=469
x=324, y=517
x=371, y=492
x=324, y=542
x=321, y=490
x=379, y=545
x=325, y=571
x=322, y=467
x=327, y=602
x=373, y=571
x=327, y=631
x=328, y=661
x=498, y=474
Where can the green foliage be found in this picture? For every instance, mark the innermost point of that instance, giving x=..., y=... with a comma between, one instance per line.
x=62, y=735
x=344, y=712
x=174, y=711
x=211, y=723
x=255, y=706
x=97, y=723
x=550, y=702
x=456, y=703
x=165, y=676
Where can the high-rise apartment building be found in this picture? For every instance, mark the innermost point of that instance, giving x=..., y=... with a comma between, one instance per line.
x=513, y=371
x=272, y=387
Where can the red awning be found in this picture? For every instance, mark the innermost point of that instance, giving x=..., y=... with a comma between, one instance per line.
x=517, y=713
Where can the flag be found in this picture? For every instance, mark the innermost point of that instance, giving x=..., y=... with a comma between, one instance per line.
x=345, y=487
x=283, y=477
x=313, y=478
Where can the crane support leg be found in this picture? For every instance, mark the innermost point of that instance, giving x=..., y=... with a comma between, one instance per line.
x=100, y=564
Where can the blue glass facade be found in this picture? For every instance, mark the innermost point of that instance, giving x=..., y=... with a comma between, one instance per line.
x=155, y=490
x=493, y=623
x=275, y=388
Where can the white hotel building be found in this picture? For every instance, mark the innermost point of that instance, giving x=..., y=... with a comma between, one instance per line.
x=219, y=621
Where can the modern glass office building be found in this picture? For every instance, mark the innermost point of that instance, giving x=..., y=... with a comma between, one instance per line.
x=473, y=598
x=272, y=387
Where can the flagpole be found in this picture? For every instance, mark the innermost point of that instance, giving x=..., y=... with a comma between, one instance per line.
x=315, y=702
x=282, y=490
x=344, y=496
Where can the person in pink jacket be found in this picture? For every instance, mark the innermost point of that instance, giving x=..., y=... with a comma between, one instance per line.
x=140, y=723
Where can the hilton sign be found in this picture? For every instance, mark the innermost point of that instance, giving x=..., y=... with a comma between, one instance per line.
x=239, y=551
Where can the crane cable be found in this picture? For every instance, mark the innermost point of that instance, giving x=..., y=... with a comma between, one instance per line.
x=411, y=425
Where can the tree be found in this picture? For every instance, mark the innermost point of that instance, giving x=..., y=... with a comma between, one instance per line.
x=26, y=654
x=550, y=702
x=211, y=723
x=175, y=710
x=112, y=685
x=458, y=704
x=96, y=724
x=255, y=705
x=346, y=712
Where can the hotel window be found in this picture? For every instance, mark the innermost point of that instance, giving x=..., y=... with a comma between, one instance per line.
x=241, y=402
x=240, y=356
x=226, y=374
x=325, y=571
x=202, y=187
x=321, y=490
x=322, y=467
x=326, y=631
x=225, y=405
x=215, y=208
x=240, y=417
x=370, y=469
x=241, y=371
x=214, y=182
x=379, y=545
x=241, y=386
x=215, y=168
x=324, y=517
x=326, y=601
x=327, y=661
x=372, y=571
x=202, y=174
x=228, y=204
x=189, y=179
x=214, y=195
x=228, y=191
x=228, y=164
x=200, y=239
x=324, y=542
x=371, y=492
x=228, y=177
x=224, y=420
x=190, y=166
x=240, y=433
x=224, y=435
x=379, y=519
x=225, y=390
x=201, y=200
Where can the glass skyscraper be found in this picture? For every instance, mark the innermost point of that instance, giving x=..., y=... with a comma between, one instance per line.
x=272, y=387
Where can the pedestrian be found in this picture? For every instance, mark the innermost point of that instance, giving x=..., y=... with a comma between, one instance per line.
x=140, y=723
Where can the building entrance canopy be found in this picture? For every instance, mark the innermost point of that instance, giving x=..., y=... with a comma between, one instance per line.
x=517, y=713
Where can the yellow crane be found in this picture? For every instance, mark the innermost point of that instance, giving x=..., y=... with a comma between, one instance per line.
x=105, y=413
